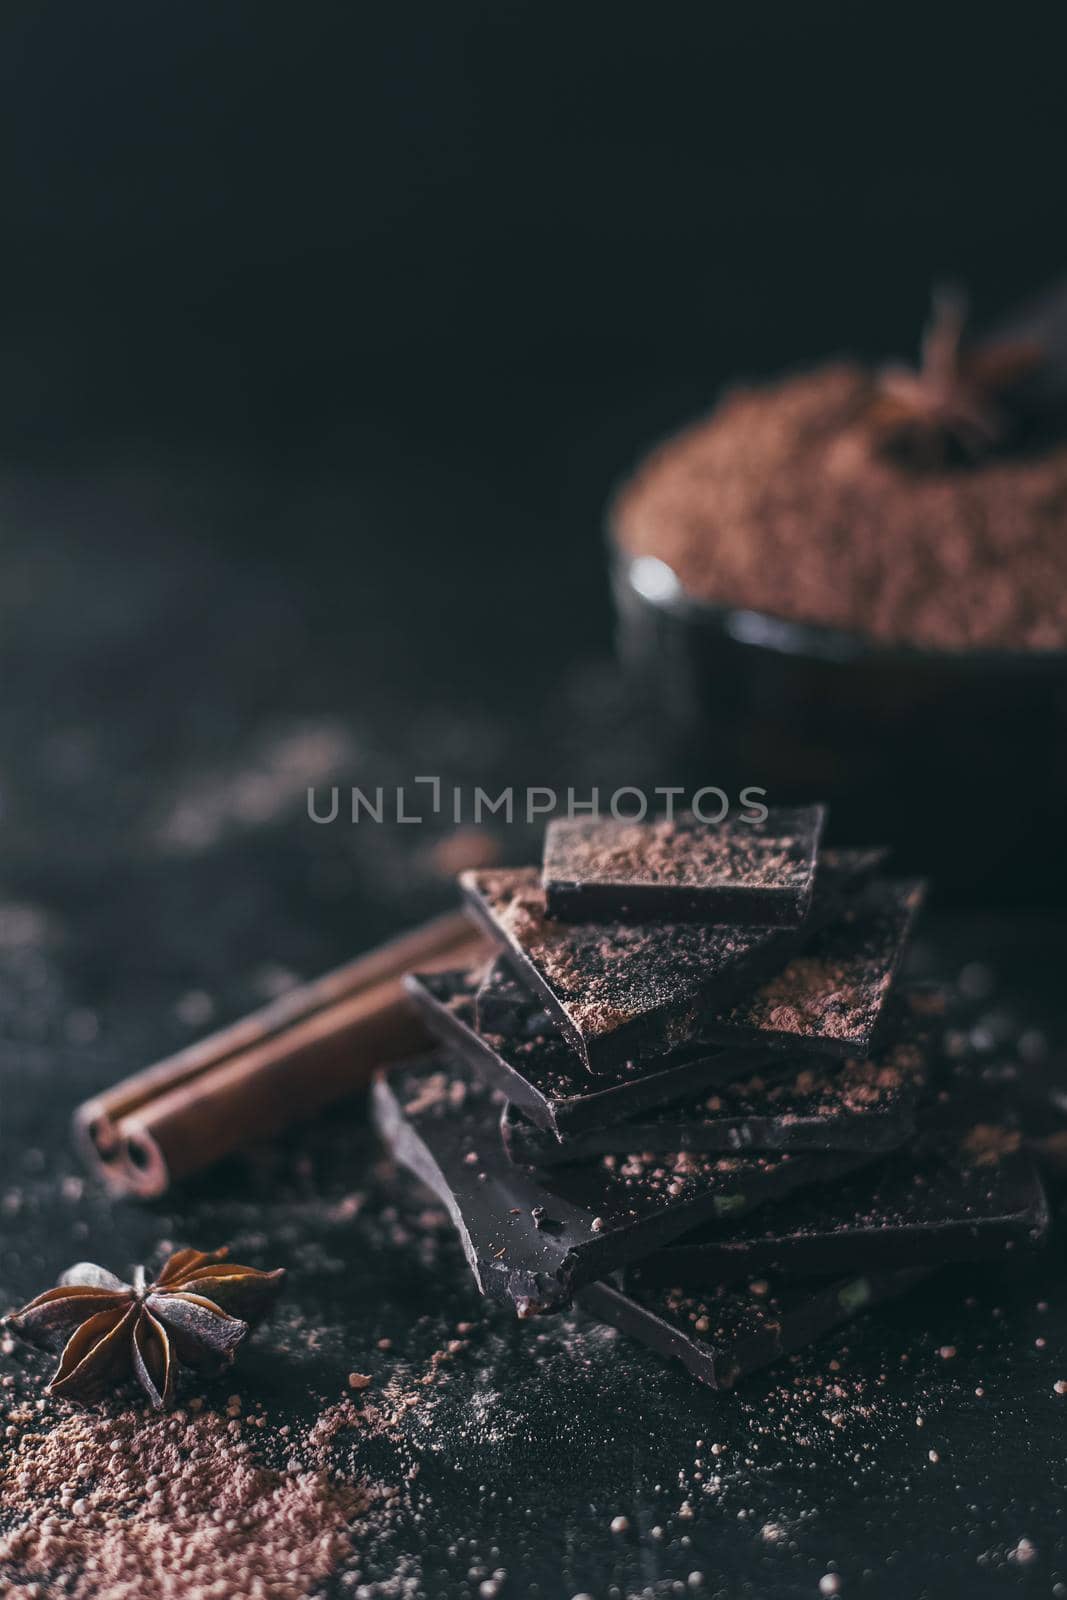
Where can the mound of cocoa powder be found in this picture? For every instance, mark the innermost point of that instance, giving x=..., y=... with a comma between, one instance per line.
x=118, y=1505
x=780, y=501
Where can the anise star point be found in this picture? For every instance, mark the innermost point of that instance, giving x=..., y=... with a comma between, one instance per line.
x=194, y=1313
x=953, y=406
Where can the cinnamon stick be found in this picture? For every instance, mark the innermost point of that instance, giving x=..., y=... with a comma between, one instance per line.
x=312, y=1046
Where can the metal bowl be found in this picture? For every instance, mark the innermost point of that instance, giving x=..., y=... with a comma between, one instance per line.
x=956, y=758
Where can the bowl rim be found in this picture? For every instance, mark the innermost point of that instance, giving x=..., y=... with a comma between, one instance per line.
x=655, y=584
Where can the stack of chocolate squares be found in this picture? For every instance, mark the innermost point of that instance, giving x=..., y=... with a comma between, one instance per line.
x=690, y=1094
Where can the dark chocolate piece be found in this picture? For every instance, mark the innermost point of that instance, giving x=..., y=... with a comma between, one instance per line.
x=519, y=1028
x=831, y=995
x=964, y=1193
x=533, y=1238
x=807, y=1104
x=721, y=1334
x=538, y=1071
x=619, y=991
x=505, y=1007
x=747, y=874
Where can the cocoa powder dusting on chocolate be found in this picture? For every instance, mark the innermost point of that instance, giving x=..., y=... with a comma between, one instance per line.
x=606, y=974
x=830, y=1088
x=815, y=996
x=780, y=501
x=838, y=988
x=673, y=851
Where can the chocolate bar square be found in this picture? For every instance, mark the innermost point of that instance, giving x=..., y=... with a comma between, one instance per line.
x=747, y=874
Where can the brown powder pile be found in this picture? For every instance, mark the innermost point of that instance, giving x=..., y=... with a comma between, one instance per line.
x=132, y=1505
x=780, y=502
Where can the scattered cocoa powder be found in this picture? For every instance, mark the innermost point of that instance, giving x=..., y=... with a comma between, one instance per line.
x=127, y=1505
x=200, y=1503
x=780, y=502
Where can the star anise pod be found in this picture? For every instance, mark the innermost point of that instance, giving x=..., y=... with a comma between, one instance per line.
x=195, y=1312
x=954, y=407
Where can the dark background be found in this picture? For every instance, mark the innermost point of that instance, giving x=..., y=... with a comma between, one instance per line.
x=455, y=265
x=326, y=329
x=229, y=222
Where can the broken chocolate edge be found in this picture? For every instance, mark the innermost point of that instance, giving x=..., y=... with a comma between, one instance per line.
x=830, y=1307
x=875, y=1133
x=570, y=901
